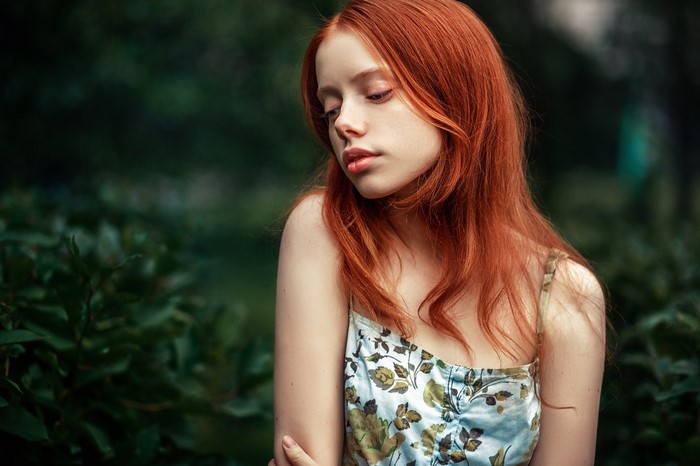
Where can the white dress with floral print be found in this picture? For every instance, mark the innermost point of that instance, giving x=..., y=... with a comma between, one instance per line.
x=405, y=406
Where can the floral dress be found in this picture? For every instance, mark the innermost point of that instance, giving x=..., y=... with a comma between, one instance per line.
x=406, y=406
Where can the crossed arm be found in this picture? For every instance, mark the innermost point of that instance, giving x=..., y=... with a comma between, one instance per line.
x=310, y=331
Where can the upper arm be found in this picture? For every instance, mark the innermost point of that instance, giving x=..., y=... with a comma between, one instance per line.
x=571, y=368
x=310, y=332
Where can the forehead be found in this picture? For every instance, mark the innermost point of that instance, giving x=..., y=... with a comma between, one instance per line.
x=344, y=53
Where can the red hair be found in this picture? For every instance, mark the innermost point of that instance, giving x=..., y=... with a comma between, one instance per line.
x=475, y=200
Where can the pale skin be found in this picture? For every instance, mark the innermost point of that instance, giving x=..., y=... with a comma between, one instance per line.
x=312, y=306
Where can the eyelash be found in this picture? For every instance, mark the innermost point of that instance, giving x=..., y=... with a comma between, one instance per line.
x=378, y=97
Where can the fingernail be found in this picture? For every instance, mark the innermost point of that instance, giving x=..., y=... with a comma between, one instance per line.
x=288, y=442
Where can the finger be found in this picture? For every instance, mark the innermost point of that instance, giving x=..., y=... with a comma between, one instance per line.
x=295, y=454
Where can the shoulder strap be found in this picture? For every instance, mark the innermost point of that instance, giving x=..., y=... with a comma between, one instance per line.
x=549, y=271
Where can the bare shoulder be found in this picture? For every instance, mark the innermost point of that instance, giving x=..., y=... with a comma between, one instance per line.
x=307, y=214
x=305, y=227
x=577, y=305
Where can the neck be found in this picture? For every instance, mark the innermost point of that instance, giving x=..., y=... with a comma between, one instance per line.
x=412, y=231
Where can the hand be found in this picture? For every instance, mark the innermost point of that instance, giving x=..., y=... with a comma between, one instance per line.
x=294, y=454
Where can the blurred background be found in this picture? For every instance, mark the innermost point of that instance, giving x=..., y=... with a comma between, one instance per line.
x=165, y=139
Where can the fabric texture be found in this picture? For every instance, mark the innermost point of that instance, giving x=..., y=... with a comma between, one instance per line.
x=406, y=406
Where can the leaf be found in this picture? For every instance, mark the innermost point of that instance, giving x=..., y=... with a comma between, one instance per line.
x=424, y=355
x=457, y=456
x=503, y=395
x=463, y=435
x=399, y=387
x=689, y=385
x=413, y=416
x=30, y=237
x=401, y=423
x=8, y=337
x=472, y=445
x=116, y=367
x=499, y=458
x=476, y=432
x=426, y=367
x=76, y=261
x=382, y=377
x=445, y=443
x=241, y=407
x=524, y=392
x=428, y=437
x=478, y=384
x=146, y=442
x=99, y=438
x=18, y=421
x=10, y=385
x=370, y=407
x=401, y=371
x=401, y=410
x=59, y=342
x=433, y=394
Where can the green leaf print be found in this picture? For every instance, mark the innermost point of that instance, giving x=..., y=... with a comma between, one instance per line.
x=399, y=387
x=426, y=367
x=499, y=458
x=370, y=436
x=404, y=417
x=401, y=371
x=401, y=423
x=434, y=394
x=472, y=445
x=351, y=395
x=413, y=416
x=428, y=437
x=524, y=392
x=382, y=377
x=503, y=395
x=401, y=410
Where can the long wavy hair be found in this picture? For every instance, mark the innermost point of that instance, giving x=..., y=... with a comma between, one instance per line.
x=474, y=200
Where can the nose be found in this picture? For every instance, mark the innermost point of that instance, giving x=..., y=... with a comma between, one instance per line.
x=350, y=122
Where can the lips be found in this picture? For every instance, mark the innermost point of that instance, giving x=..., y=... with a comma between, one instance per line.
x=358, y=160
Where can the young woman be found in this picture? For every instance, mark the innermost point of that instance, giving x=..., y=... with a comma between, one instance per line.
x=426, y=312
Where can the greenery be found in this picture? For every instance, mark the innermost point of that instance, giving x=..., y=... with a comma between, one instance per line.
x=108, y=353
x=149, y=149
x=650, y=410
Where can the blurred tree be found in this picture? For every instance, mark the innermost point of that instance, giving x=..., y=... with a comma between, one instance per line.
x=655, y=47
x=144, y=86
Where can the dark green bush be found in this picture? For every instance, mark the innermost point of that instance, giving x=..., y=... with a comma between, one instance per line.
x=107, y=353
x=651, y=413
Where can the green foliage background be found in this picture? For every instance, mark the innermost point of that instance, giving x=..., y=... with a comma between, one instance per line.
x=149, y=149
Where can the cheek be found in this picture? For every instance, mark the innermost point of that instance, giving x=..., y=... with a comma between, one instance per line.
x=337, y=145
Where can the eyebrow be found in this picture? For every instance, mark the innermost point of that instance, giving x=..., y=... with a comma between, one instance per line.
x=361, y=76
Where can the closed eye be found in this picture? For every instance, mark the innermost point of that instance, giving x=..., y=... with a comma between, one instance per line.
x=380, y=96
x=330, y=114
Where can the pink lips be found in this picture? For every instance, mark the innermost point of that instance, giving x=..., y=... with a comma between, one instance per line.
x=358, y=160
